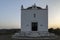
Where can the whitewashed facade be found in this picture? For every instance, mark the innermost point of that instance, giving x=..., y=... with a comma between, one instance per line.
x=34, y=15
x=34, y=24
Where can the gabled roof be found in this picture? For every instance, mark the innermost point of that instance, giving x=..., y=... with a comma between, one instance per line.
x=34, y=6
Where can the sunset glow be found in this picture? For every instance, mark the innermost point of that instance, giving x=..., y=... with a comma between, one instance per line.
x=10, y=12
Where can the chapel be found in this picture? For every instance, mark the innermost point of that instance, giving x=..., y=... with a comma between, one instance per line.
x=34, y=23
x=34, y=18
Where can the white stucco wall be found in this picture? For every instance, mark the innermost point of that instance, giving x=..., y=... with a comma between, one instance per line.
x=27, y=17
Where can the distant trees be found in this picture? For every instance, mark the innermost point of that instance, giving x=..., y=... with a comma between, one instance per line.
x=55, y=31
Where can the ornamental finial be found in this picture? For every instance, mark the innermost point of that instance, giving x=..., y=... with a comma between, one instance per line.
x=21, y=6
x=46, y=6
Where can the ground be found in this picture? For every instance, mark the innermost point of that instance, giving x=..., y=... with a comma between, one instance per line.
x=5, y=37
x=7, y=34
x=8, y=37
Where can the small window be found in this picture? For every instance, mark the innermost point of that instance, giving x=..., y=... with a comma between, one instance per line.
x=34, y=15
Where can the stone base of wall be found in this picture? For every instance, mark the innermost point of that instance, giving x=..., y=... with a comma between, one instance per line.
x=34, y=36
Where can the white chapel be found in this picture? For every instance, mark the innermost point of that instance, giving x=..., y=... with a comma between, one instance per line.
x=34, y=18
x=34, y=22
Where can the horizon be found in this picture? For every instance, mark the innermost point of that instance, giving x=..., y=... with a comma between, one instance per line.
x=10, y=12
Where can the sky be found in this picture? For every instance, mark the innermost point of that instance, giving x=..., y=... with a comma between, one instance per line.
x=10, y=12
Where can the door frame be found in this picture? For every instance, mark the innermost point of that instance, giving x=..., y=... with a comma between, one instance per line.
x=34, y=26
